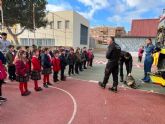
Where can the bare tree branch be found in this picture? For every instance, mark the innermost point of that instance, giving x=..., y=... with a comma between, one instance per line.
x=15, y=34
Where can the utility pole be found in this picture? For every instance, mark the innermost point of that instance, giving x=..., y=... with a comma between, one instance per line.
x=1, y=8
x=53, y=30
x=65, y=33
x=34, y=24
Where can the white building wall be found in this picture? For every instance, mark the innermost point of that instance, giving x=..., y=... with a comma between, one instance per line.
x=62, y=37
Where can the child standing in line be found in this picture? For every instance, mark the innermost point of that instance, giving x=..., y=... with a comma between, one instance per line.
x=71, y=61
x=63, y=64
x=10, y=56
x=77, y=60
x=21, y=73
x=36, y=70
x=84, y=57
x=90, y=57
x=46, y=65
x=28, y=59
x=56, y=65
x=3, y=75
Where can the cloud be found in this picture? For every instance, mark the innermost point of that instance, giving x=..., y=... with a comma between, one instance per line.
x=94, y=6
x=59, y=7
x=127, y=10
x=147, y=4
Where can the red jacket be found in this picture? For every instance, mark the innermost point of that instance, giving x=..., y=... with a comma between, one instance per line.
x=56, y=64
x=21, y=68
x=28, y=65
x=36, y=64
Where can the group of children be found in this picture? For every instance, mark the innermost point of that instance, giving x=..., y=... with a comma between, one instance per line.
x=26, y=64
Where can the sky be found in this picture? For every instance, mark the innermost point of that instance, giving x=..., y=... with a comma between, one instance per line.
x=111, y=12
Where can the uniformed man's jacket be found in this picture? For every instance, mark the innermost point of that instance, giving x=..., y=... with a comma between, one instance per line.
x=113, y=52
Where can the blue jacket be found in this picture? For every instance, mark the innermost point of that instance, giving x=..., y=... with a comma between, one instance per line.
x=2, y=58
x=46, y=62
x=149, y=49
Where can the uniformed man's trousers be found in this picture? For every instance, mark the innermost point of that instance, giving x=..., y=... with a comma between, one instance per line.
x=111, y=68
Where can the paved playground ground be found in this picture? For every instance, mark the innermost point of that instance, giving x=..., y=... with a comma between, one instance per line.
x=80, y=100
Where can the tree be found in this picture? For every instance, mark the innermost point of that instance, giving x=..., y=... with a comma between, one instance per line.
x=21, y=12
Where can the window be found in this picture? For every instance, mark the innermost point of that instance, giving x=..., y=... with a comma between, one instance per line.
x=59, y=24
x=67, y=24
x=51, y=25
x=83, y=35
x=38, y=42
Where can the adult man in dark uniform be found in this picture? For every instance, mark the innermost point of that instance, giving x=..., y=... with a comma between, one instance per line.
x=113, y=56
x=125, y=57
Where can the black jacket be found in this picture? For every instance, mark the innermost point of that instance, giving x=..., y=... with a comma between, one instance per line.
x=84, y=56
x=71, y=59
x=113, y=53
x=63, y=61
x=128, y=62
x=123, y=59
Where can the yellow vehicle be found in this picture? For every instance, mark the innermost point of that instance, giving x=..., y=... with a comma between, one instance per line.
x=159, y=76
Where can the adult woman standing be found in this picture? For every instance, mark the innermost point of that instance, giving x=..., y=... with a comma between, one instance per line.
x=148, y=61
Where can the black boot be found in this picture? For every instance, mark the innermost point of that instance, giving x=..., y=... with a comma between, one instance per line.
x=45, y=85
x=48, y=83
x=102, y=85
x=26, y=93
x=121, y=78
x=38, y=89
x=113, y=89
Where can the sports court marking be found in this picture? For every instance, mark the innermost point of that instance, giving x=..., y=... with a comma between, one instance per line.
x=122, y=86
x=74, y=103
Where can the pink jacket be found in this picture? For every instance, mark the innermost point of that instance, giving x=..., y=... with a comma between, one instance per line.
x=140, y=52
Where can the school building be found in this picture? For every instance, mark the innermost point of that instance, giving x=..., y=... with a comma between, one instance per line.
x=65, y=28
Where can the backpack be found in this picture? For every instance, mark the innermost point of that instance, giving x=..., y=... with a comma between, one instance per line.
x=130, y=81
x=3, y=73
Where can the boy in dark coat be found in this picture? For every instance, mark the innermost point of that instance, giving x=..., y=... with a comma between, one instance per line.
x=84, y=57
x=77, y=60
x=63, y=64
x=10, y=56
x=71, y=61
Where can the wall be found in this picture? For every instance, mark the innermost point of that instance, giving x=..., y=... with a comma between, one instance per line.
x=130, y=44
x=78, y=20
x=62, y=37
